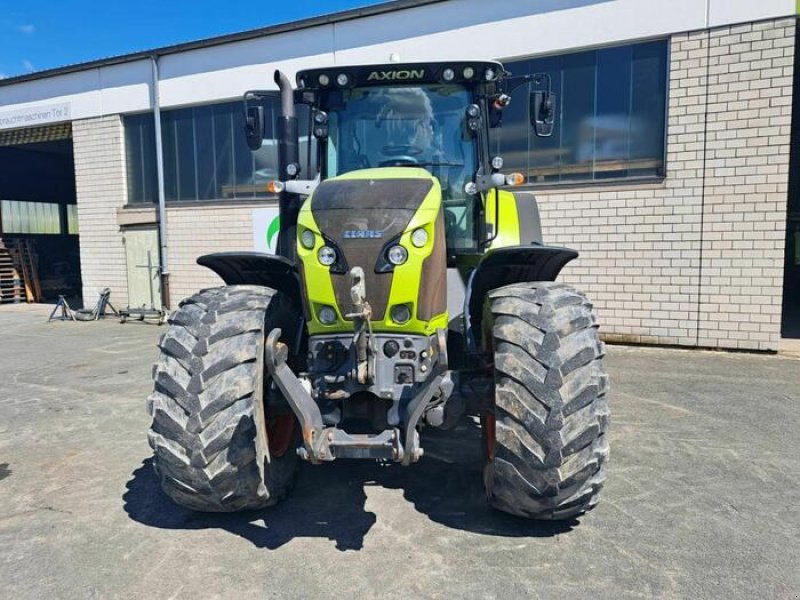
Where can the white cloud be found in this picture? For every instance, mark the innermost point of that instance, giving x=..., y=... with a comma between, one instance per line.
x=3, y=75
x=29, y=28
x=28, y=65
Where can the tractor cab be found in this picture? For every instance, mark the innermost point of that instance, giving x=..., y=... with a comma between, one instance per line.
x=434, y=116
x=410, y=116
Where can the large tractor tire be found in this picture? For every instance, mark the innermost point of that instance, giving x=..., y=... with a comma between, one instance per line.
x=545, y=440
x=215, y=448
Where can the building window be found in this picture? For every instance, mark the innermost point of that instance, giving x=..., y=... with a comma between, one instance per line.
x=141, y=158
x=18, y=216
x=206, y=156
x=611, y=119
x=72, y=219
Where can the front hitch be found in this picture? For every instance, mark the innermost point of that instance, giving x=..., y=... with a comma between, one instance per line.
x=362, y=326
x=322, y=443
x=303, y=405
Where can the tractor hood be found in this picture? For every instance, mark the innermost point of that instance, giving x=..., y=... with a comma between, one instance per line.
x=360, y=216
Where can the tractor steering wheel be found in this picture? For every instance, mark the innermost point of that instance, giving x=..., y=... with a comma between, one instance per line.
x=399, y=161
x=401, y=150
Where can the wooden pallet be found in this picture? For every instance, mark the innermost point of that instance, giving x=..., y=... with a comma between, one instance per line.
x=11, y=284
x=27, y=262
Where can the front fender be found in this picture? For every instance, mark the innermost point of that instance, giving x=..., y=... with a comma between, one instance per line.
x=504, y=266
x=255, y=268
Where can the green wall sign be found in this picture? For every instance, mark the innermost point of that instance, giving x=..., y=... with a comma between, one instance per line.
x=266, y=225
x=273, y=229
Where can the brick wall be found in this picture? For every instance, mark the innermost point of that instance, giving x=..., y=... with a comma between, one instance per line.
x=101, y=189
x=697, y=259
x=193, y=231
x=747, y=172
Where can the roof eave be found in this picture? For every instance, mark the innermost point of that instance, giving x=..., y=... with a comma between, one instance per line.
x=308, y=23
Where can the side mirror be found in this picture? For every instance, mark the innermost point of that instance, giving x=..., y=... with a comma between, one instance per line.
x=543, y=112
x=254, y=126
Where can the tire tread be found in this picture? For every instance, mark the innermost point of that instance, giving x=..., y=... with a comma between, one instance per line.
x=550, y=402
x=203, y=430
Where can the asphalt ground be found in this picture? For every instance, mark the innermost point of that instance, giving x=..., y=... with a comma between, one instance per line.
x=702, y=498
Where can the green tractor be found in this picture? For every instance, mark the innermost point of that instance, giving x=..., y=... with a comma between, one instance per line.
x=409, y=289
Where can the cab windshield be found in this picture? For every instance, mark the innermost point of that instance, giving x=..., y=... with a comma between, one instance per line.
x=410, y=126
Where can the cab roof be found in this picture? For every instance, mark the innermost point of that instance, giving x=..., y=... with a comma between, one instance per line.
x=461, y=72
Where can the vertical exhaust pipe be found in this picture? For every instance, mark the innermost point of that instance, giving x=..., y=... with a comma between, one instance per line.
x=288, y=153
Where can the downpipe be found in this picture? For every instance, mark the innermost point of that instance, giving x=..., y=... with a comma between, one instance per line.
x=161, y=207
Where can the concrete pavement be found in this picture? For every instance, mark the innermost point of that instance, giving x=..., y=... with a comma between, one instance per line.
x=701, y=499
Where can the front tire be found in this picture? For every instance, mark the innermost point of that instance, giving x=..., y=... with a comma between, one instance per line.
x=546, y=442
x=209, y=432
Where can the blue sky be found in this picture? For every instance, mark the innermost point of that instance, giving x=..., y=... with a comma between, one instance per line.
x=50, y=33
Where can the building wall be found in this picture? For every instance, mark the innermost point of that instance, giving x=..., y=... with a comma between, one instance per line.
x=747, y=181
x=694, y=260
x=101, y=189
x=697, y=260
x=194, y=231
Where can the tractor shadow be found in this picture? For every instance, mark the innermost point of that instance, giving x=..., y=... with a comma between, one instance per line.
x=329, y=501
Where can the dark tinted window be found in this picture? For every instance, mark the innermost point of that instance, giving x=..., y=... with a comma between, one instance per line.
x=610, y=122
x=206, y=156
x=140, y=158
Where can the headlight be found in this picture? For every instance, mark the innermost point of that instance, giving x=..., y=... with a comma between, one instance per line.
x=469, y=72
x=326, y=255
x=401, y=314
x=327, y=315
x=397, y=255
x=419, y=237
x=488, y=74
x=324, y=79
x=308, y=239
x=448, y=74
x=342, y=79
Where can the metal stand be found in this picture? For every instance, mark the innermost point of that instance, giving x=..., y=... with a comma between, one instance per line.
x=99, y=310
x=66, y=311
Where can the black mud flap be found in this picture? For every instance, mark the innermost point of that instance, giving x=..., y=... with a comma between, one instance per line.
x=255, y=268
x=505, y=266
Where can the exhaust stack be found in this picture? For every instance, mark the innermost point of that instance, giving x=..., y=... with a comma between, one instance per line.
x=288, y=153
